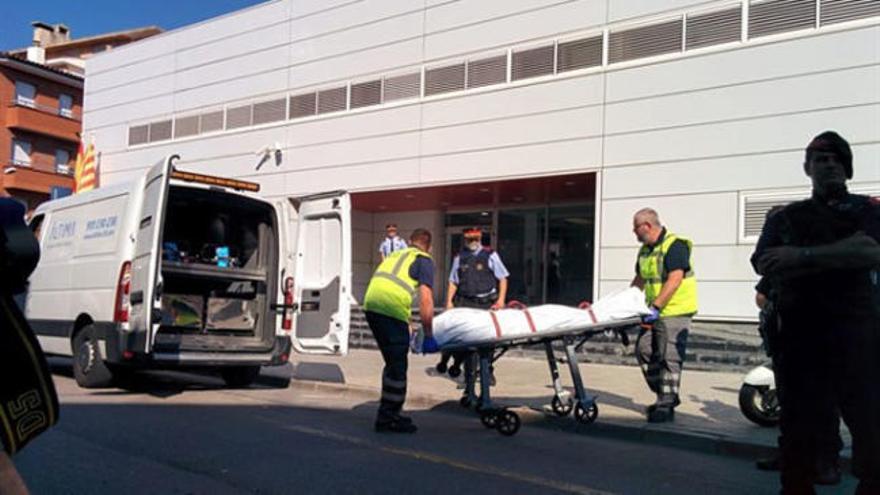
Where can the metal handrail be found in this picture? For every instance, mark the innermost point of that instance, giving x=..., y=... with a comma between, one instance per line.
x=40, y=166
x=76, y=117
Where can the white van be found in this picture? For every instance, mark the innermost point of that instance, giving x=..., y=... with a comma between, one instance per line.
x=187, y=270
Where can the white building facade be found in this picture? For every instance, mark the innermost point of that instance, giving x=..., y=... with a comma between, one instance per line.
x=548, y=122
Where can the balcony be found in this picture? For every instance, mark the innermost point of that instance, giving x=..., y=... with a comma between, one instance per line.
x=47, y=121
x=38, y=176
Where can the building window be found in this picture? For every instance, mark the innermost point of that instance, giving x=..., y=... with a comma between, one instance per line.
x=65, y=106
x=21, y=152
x=25, y=94
x=62, y=162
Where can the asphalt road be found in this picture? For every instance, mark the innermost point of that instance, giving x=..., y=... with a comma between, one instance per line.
x=180, y=433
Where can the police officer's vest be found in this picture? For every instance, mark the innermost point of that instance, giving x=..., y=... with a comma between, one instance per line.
x=653, y=272
x=391, y=289
x=474, y=276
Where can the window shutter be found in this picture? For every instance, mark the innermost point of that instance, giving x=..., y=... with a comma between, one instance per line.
x=487, y=71
x=269, y=111
x=779, y=16
x=532, y=63
x=237, y=117
x=332, y=100
x=402, y=87
x=714, y=28
x=646, y=41
x=138, y=134
x=186, y=126
x=756, y=212
x=211, y=121
x=366, y=94
x=834, y=11
x=444, y=79
x=579, y=54
x=160, y=131
x=303, y=105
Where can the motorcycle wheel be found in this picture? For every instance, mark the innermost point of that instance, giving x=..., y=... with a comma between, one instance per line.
x=759, y=404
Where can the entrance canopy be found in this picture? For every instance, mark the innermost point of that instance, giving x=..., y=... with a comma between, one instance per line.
x=530, y=191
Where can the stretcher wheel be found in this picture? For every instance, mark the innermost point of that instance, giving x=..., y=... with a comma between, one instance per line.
x=455, y=371
x=508, y=423
x=465, y=401
x=441, y=367
x=586, y=415
x=560, y=408
x=489, y=419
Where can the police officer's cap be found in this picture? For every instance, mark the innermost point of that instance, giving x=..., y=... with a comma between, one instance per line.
x=472, y=232
x=831, y=142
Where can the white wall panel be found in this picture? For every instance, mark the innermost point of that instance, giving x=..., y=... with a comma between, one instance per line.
x=707, y=216
x=372, y=176
x=568, y=16
x=757, y=61
x=312, y=8
x=721, y=300
x=234, y=45
x=534, y=98
x=123, y=76
x=392, y=147
x=467, y=12
x=839, y=88
x=241, y=68
x=132, y=92
x=711, y=263
x=119, y=59
x=619, y=10
x=228, y=91
x=548, y=158
x=556, y=126
x=372, y=61
x=759, y=135
x=159, y=108
x=404, y=119
x=110, y=139
x=214, y=30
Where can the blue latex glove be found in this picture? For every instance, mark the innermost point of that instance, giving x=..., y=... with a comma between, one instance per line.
x=430, y=345
x=653, y=316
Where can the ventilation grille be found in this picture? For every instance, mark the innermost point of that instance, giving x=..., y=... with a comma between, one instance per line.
x=756, y=212
x=834, y=11
x=138, y=134
x=269, y=111
x=402, y=87
x=303, y=105
x=487, y=71
x=211, y=121
x=186, y=126
x=160, y=131
x=532, y=63
x=579, y=54
x=238, y=117
x=366, y=94
x=714, y=28
x=646, y=41
x=779, y=16
x=332, y=100
x=444, y=79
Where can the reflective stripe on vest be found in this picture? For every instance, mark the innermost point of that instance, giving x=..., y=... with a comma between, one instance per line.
x=652, y=270
x=391, y=289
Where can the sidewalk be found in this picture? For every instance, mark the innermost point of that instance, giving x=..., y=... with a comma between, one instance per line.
x=708, y=419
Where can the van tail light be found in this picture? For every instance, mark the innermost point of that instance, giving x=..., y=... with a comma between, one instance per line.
x=123, y=291
x=287, y=321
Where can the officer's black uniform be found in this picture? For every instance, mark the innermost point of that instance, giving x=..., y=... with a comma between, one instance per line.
x=830, y=341
x=477, y=287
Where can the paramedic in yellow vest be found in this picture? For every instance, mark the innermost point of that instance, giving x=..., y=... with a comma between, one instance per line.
x=402, y=276
x=665, y=272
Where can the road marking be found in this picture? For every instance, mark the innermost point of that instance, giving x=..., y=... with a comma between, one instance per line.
x=438, y=459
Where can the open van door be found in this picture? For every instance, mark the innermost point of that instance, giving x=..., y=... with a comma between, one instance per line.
x=319, y=257
x=146, y=278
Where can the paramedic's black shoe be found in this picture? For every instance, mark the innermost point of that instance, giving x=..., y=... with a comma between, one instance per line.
x=827, y=474
x=769, y=463
x=675, y=403
x=396, y=425
x=661, y=414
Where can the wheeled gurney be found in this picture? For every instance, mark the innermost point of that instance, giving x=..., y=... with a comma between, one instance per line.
x=480, y=355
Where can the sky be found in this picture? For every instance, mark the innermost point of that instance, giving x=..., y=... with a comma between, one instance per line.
x=91, y=17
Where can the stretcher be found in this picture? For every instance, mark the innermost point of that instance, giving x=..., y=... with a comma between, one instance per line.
x=480, y=355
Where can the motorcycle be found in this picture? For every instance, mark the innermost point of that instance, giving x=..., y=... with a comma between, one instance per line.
x=758, y=400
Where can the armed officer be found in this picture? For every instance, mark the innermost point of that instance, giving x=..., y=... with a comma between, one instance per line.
x=824, y=254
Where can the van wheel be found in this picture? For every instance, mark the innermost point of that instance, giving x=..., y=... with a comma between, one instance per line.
x=240, y=376
x=89, y=368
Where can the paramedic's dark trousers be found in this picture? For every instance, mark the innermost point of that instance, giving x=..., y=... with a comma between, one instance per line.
x=466, y=302
x=392, y=335
x=829, y=363
x=660, y=352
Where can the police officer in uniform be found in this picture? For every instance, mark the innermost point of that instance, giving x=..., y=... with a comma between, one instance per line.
x=665, y=272
x=401, y=277
x=478, y=279
x=825, y=255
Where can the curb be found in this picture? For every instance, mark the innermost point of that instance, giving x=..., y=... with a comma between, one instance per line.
x=695, y=441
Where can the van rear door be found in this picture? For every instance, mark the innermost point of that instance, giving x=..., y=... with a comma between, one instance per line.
x=146, y=278
x=319, y=257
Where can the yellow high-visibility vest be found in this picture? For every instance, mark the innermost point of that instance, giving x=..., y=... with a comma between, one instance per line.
x=391, y=289
x=653, y=272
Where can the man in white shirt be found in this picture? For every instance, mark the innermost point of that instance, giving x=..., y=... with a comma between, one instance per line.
x=391, y=242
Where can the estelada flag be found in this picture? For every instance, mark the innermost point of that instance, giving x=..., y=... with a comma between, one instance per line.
x=85, y=173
